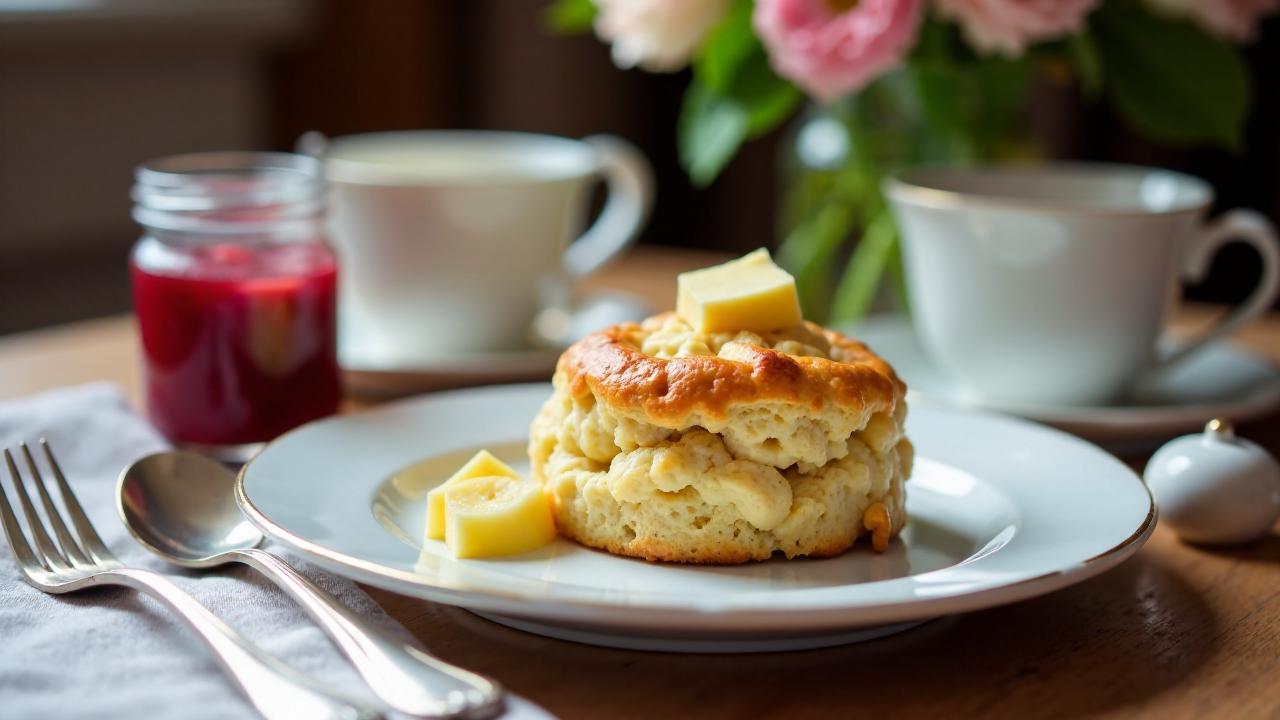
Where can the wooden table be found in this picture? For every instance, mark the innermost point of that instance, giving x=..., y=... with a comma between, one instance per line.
x=1175, y=632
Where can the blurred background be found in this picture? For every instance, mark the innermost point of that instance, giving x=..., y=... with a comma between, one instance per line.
x=90, y=88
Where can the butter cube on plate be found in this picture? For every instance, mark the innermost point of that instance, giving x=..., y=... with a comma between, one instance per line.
x=496, y=515
x=750, y=293
x=481, y=464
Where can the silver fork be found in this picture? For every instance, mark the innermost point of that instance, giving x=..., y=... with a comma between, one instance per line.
x=80, y=560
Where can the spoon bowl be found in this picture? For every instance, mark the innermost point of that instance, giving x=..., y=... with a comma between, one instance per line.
x=182, y=507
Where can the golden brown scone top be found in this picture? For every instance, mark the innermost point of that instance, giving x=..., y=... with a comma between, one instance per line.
x=667, y=390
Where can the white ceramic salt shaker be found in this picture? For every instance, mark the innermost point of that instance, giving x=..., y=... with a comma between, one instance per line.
x=1214, y=488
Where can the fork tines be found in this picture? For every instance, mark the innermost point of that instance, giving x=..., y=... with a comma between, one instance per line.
x=64, y=551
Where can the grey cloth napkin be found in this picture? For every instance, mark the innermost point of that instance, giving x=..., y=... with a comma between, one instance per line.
x=114, y=652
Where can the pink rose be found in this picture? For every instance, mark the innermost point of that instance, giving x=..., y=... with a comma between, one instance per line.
x=1008, y=26
x=1229, y=19
x=835, y=47
x=657, y=35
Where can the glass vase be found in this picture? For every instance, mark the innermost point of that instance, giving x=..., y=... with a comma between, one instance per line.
x=836, y=233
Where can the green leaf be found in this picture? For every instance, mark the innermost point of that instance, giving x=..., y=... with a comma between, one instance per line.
x=727, y=45
x=1082, y=48
x=714, y=122
x=767, y=98
x=1004, y=84
x=976, y=106
x=1170, y=80
x=866, y=268
x=732, y=62
x=940, y=44
x=944, y=102
x=735, y=95
x=808, y=251
x=569, y=17
x=710, y=130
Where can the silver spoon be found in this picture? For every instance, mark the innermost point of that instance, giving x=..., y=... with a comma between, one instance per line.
x=181, y=506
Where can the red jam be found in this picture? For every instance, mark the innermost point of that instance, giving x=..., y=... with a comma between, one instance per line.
x=239, y=340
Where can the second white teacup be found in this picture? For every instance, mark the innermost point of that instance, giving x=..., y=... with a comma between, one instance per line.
x=1052, y=284
x=451, y=242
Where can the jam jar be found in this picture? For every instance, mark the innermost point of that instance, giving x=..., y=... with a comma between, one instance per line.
x=234, y=288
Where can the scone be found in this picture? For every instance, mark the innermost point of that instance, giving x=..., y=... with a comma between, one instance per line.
x=663, y=443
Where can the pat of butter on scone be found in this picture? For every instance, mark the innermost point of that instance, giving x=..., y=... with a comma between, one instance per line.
x=495, y=515
x=750, y=293
x=481, y=464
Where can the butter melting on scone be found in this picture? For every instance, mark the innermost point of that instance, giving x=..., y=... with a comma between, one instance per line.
x=667, y=442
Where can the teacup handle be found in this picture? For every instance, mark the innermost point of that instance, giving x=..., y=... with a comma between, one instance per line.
x=629, y=180
x=1254, y=229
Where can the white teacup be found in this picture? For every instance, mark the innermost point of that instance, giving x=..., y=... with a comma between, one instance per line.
x=1052, y=284
x=451, y=242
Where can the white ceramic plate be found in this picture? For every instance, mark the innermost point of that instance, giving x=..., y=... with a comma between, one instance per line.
x=1000, y=509
x=1225, y=380
x=371, y=371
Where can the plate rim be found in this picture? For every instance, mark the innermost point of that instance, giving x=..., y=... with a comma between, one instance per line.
x=815, y=616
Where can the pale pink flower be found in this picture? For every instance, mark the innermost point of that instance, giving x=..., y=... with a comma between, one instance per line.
x=657, y=35
x=835, y=47
x=1009, y=26
x=1229, y=19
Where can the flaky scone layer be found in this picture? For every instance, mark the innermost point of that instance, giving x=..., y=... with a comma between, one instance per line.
x=758, y=444
x=784, y=398
x=687, y=498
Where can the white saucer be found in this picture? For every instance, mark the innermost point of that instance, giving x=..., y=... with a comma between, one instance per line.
x=370, y=374
x=1225, y=380
x=1000, y=510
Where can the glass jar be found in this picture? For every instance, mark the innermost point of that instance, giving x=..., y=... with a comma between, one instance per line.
x=832, y=163
x=838, y=236
x=234, y=289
